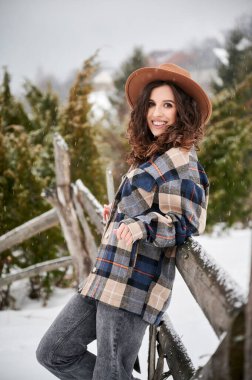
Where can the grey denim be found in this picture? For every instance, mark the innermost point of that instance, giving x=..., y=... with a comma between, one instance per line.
x=63, y=348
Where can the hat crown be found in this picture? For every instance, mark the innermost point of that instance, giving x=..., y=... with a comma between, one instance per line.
x=171, y=67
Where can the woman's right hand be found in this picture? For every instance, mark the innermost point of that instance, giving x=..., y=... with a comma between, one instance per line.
x=106, y=212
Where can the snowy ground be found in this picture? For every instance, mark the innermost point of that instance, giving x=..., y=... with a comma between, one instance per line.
x=20, y=331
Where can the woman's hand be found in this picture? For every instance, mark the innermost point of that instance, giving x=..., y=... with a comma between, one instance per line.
x=123, y=233
x=106, y=211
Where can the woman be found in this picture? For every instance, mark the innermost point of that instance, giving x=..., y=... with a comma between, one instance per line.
x=161, y=201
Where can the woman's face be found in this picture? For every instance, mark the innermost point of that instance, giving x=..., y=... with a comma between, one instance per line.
x=162, y=110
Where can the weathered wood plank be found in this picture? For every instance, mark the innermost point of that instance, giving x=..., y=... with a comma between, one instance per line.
x=89, y=239
x=204, y=276
x=177, y=357
x=91, y=205
x=110, y=185
x=33, y=270
x=29, y=229
x=248, y=334
x=152, y=351
x=227, y=363
x=61, y=200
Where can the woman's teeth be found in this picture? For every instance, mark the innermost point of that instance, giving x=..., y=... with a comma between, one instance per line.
x=158, y=123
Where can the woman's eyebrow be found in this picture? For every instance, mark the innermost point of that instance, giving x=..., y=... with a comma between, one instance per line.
x=167, y=100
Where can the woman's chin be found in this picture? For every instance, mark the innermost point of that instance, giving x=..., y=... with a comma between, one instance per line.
x=157, y=133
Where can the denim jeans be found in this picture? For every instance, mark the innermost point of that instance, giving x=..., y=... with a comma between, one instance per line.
x=63, y=348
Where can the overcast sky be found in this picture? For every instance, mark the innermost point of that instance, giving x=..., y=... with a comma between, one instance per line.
x=57, y=35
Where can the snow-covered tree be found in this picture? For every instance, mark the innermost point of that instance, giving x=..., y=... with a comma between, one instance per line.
x=237, y=61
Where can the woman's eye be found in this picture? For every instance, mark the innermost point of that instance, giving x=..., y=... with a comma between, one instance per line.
x=168, y=105
x=150, y=104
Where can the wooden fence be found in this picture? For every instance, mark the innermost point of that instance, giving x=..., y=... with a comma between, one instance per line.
x=218, y=295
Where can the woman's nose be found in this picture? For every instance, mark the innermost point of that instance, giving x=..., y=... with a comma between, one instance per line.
x=157, y=111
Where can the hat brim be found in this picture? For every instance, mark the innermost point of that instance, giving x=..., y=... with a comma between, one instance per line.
x=141, y=77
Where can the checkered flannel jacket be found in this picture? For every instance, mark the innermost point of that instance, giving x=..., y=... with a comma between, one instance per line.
x=163, y=202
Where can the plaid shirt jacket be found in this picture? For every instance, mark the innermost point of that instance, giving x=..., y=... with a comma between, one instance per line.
x=163, y=202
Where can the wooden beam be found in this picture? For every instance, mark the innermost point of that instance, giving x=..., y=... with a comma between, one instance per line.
x=177, y=358
x=218, y=295
x=61, y=200
x=227, y=363
x=152, y=351
x=90, y=245
x=248, y=334
x=110, y=185
x=29, y=229
x=33, y=270
x=91, y=206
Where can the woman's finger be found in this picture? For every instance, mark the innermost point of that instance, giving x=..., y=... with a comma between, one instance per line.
x=125, y=231
x=119, y=231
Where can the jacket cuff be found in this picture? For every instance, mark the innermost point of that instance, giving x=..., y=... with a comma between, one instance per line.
x=137, y=228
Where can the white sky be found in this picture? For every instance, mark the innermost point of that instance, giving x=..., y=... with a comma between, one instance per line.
x=57, y=35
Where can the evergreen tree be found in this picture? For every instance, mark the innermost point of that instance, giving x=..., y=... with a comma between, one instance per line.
x=227, y=156
x=136, y=60
x=80, y=134
x=21, y=185
x=238, y=46
x=112, y=141
x=44, y=117
x=12, y=111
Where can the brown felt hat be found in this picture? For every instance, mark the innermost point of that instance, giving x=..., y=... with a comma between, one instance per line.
x=172, y=73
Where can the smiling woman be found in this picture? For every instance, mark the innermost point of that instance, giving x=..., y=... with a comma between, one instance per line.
x=162, y=200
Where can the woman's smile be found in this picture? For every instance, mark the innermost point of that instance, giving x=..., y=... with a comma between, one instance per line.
x=159, y=124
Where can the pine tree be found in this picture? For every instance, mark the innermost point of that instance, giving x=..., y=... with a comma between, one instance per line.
x=136, y=60
x=21, y=185
x=227, y=156
x=44, y=117
x=238, y=46
x=80, y=134
x=112, y=140
x=12, y=111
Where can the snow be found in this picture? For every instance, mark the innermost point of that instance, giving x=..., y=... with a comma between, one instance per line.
x=222, y=54
x=21, y=330
x=104, y=77
x=100, y=104
x=243, y=44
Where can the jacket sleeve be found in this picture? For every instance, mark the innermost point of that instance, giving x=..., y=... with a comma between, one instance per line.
x=179, y=212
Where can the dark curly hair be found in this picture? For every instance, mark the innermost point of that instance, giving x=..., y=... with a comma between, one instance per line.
x=188, y=129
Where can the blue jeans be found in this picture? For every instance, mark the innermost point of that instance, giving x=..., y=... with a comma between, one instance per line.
x=63, y=349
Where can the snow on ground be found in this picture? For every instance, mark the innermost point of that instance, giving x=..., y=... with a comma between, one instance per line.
x=20, y=331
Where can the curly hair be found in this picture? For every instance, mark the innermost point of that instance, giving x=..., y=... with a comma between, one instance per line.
x=188, y=129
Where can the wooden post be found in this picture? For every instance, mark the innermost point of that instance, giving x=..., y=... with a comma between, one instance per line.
x=90, y=245
x=152, y=352
x=227, y=363
x=248, y=331
x=61, y=199
x=110, y=185
x=90, y=205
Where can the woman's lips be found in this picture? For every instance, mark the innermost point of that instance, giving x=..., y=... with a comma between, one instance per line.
x=159, y=124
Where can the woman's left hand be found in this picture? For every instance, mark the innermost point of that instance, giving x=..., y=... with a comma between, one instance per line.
x=123, y=233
